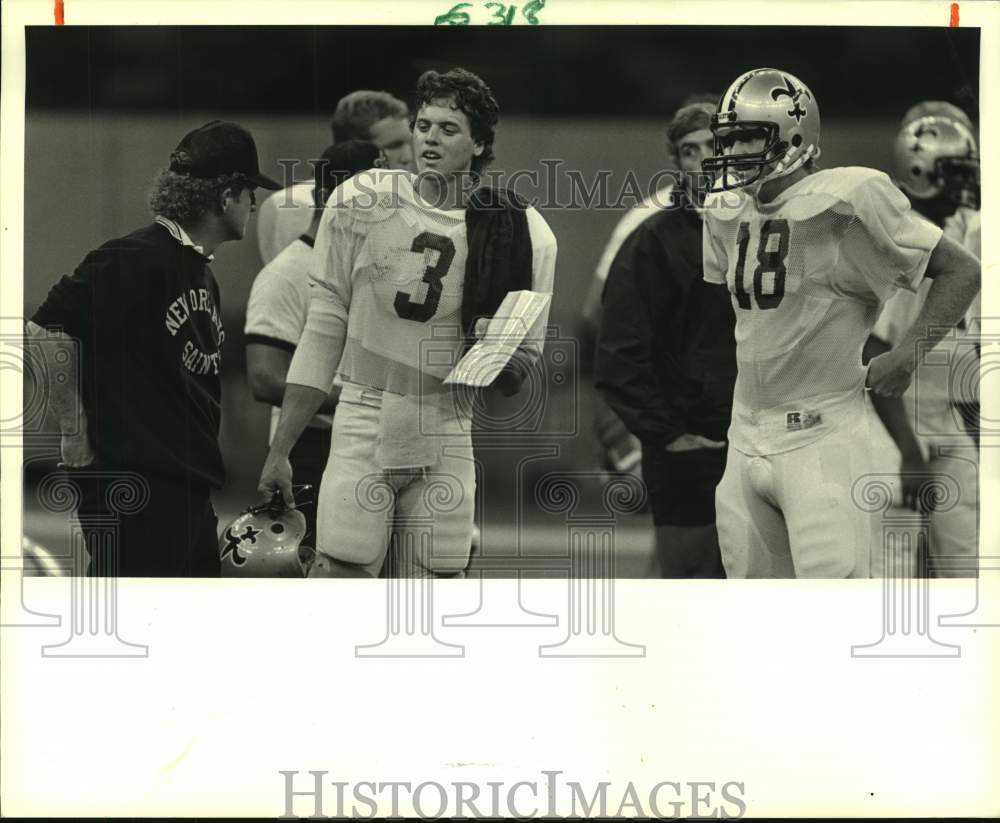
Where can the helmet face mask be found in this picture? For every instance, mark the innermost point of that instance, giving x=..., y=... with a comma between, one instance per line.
x=959, y=179
x=732, y=171
x=768, y=105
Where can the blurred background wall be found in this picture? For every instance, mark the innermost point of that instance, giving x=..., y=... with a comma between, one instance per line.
x=106, y=106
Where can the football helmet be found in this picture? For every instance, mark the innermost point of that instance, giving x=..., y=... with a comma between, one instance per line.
x=936, y=156
x=770, y=105
x=265, y=541
x=936, y=108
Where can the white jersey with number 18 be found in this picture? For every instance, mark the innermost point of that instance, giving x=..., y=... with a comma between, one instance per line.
x=808, y=273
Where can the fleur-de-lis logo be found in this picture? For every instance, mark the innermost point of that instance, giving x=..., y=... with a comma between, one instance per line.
x=234, y=541
x=922, y=129
x=794, y=95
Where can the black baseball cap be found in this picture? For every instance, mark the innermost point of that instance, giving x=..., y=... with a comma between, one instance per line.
x=218, y=149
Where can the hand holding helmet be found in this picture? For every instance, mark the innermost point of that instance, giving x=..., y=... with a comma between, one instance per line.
x=265, y=541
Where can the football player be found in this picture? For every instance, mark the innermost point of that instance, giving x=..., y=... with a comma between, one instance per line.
x=276, y=313
x=809, y=256
x=372, y=116
x=405, y=269
x=936, y=163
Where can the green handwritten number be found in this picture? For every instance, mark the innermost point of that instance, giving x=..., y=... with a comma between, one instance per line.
x=503, y=15
x=531, y=9
x=454, y=16
x=422, y=312
x=768, y=262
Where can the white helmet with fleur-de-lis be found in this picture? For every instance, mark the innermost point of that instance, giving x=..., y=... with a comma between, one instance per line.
x=769, y=104
x=265, y=540
x=935, y=156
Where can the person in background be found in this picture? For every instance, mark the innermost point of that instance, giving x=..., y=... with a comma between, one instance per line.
x=936, y=164
x=666, y=361
x=373, y=116
x=619, y=449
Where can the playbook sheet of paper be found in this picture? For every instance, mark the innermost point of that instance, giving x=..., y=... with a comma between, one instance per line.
x=507, y=330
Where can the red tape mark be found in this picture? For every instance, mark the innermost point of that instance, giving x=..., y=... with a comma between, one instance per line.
x=954, y=15
x=59, y=12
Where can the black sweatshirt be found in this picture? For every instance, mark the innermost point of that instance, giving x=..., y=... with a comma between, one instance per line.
x=146, y=311
x=666, y=353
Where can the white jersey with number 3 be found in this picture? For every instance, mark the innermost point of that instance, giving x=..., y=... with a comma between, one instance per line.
x=808, y=273
x=388, y=274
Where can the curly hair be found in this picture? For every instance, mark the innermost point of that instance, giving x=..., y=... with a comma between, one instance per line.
x=468, y=94
x=186, y=199
x=358, y=111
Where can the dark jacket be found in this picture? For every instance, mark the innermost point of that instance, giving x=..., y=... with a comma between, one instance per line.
x=499, y=261
x=666, y=352
x=146, y=312
x=500, y=256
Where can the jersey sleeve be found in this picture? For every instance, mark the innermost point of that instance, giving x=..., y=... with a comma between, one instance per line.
x=715, y=262
x=321, y=346
x=887, y=245
x=544, y=249
x=965, y=228
x=277, y=307
x=282, y=217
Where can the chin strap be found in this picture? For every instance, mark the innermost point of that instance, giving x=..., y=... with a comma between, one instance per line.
x=793, y=160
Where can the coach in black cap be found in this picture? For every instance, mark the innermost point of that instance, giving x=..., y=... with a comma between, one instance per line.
x=145, y=311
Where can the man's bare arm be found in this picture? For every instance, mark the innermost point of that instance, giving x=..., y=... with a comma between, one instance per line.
x=298, y=407
x=892, y=413
x=267, y=372
x=956, y=280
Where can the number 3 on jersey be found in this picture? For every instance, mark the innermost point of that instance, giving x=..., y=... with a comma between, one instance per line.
x=768, y=262
x=422, y=312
